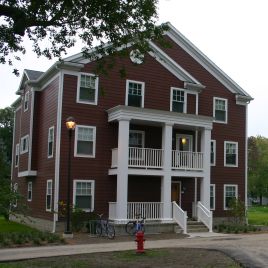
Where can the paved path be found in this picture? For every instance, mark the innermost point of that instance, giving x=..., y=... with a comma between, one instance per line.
x=251, y=250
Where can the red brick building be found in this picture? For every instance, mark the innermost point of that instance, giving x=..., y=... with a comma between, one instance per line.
x=169, y=138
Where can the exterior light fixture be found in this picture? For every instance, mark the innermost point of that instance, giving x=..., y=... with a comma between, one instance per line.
x=183, y=141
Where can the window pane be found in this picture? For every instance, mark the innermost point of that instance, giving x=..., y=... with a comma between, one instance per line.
x=85, y=147
x=220, y=115
x=83, y=202
x=87, y=94
x=177, y=106
x=135, y=139
x=134, y=100
x=48, y=204
x=85, y=134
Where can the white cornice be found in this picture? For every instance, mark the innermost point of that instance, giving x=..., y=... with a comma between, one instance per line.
x=160, y=117
x=27, y=173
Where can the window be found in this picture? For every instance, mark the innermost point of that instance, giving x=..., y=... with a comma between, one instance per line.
x=178, y=100
x=17, y=154
x=213, y=153
x=83, y=196
x=26, y=101
x=49, y=195
x=230, y=192
x=212, y=196
x=50, y=142
x=220, y=110
x=136, y=138
x=30, y=191
x=87, y=91
x=135, y=93
x=85, y=141
x=15, y=190
x=231, y=154
x=24, y=144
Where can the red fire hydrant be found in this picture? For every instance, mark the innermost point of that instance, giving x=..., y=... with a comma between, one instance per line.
x=140, y=242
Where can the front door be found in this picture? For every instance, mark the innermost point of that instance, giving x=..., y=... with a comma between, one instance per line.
x=184, y=143
x=176, y=192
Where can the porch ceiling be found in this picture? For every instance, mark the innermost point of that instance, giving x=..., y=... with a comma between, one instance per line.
x=158, y=117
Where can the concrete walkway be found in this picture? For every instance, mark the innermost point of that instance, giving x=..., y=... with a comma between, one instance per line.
x=251, y=250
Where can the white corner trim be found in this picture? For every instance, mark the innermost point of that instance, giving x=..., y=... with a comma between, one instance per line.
x=31, y=130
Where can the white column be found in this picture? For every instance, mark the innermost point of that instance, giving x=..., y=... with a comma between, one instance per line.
x=205, y=181
x=122, y=175
x=166, y=179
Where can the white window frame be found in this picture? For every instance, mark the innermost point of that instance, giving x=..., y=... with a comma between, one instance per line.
x=224, y=195
x=76, y=139
x=50, y=141
x=214, y=110
x=96, y=89
x=30, y=190
x=26, y=102
x=92, y=193
x=214, y=196
x=17, y=153
x=236, y=160
x=15, y=190
x=171, y=99
x=142, y=91
x=49, y=194
x=23, y=151
x=214, y=153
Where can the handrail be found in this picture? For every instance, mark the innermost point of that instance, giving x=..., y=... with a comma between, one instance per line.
x=204, y=215
x=179, y=216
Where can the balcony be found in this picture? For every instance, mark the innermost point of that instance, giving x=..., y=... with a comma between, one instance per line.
x=149, y=158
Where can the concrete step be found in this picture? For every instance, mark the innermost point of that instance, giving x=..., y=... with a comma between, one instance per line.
x=196, y=227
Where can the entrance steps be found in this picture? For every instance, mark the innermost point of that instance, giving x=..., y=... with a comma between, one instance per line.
x=196, y=227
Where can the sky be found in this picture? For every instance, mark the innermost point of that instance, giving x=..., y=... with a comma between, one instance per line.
x=232, y=33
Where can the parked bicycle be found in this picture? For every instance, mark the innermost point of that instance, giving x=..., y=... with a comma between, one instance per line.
x=103, y=226
x=132, y=227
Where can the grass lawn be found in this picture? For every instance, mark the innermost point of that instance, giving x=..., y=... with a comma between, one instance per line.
x=156, y=258
x=258, y=215
x=10, y=226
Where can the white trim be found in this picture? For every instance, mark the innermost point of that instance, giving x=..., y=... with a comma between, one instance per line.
x=96, y=89
x=224, y=194
x=29, y=189
x=92, y=193
x=17, y=153
x=214, y=110
x=31, y=130
x=214, y=153
x=27, y=173
x=52, y=141
x=48, y=82
x=214, y=196
x=142, y=91
x=51, y=195
x=185, y=99
x=76, y=139
x=15, y=190
x=139, y=132
x=26, y=150
x=57, y=151
x=26, y=100
x=236, y=159
x=13, y=147
x=246, y=161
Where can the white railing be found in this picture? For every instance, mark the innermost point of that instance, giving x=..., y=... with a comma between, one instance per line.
x=145, y=157
x=114, y=157
x=187, y=160
x=204, y=215
x=179, y=216
x=112, y=210
x=149, y=210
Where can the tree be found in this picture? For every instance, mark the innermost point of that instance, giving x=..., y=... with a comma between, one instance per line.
x=61, y=22
x=258, y=166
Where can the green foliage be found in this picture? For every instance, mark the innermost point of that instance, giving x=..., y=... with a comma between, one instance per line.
x=237, y=210
x=59, y=24
x=258, y=166
x=234, y=228
x=258, y=215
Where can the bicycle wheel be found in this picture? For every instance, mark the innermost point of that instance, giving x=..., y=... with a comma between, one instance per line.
x=98, y=229
x=110, y=231
x=131, y=227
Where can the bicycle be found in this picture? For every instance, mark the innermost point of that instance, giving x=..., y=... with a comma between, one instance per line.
x=132, y=227
x=103, y=226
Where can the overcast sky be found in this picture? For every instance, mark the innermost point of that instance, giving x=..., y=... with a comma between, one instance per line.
x=232, y=33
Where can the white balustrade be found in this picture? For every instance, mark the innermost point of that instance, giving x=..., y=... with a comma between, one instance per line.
x=149, y=210
x=187, y=160
x=204, y=215
x=179, y=216
x=145, y=157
